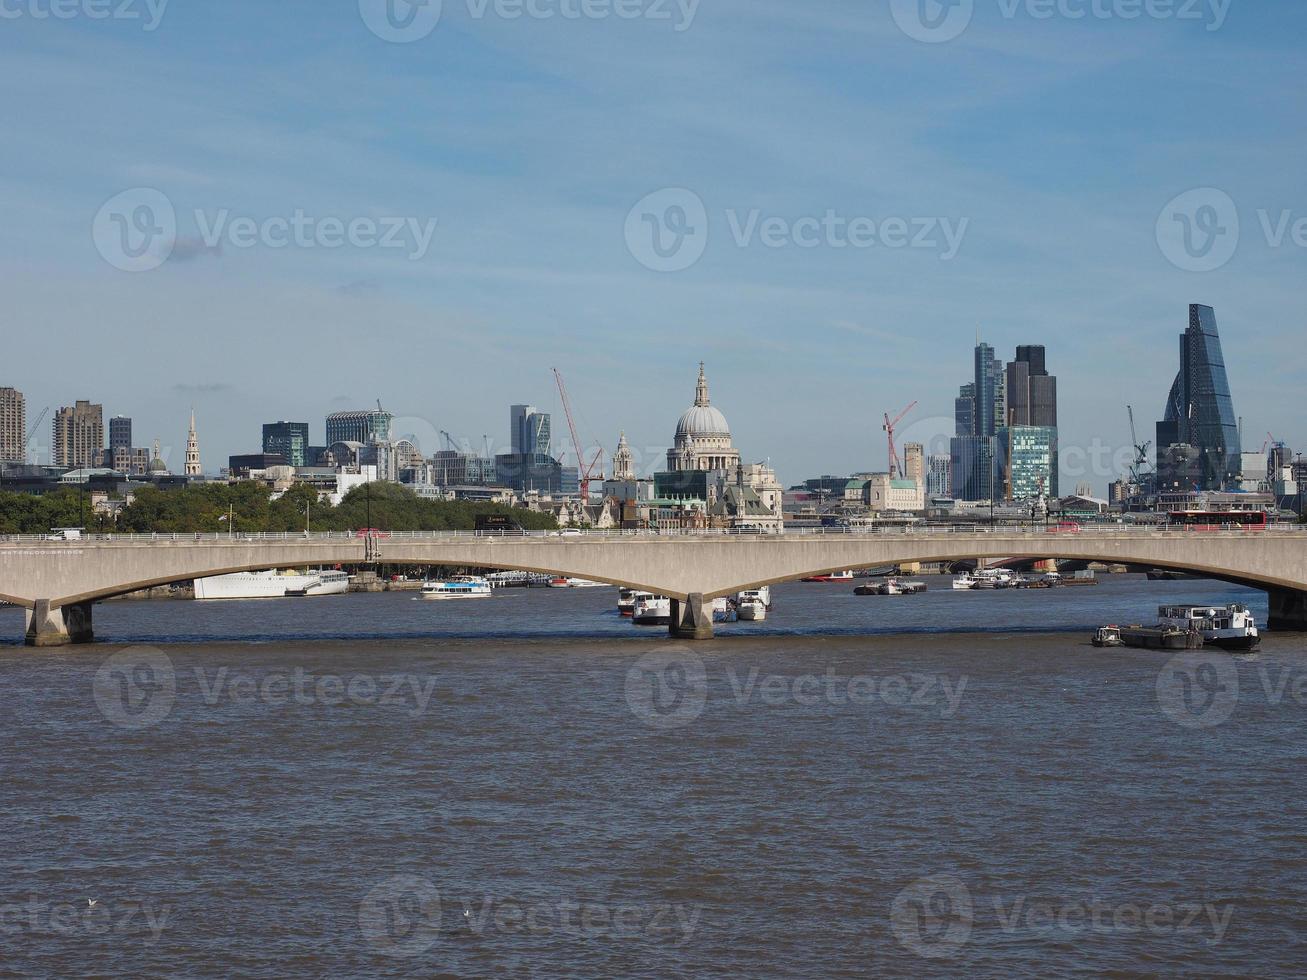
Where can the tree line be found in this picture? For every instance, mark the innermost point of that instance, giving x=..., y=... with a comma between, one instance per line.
x=245, y=508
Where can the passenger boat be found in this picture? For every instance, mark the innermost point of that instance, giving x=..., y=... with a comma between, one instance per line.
x=652, y=610
x=752, y=606
x=891, y=586
x=846, y=576
x=964, y=583
x=994, y=578
x=458, y=587
x=326, y=582
x=626, y=599
x=573, y=583
x=272, y=584
x=1230, y=627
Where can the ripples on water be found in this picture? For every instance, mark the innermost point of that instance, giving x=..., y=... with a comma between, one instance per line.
x=768, y=835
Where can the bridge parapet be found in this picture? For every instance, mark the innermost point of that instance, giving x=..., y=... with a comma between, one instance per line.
x=69, y=575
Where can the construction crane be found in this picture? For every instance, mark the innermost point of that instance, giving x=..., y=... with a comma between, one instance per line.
x=1141, y=450
x=585, y=472
x=449, y=441
x=31, y=432
x=894, y=468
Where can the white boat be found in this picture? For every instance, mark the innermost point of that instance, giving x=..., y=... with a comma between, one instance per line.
x=271, y=584
x=574, y=583
x=964, y=582
x=721, y=610
x=626, y=599
x=1231, y=627
x=458, y=587
x=994, y=578
x=326, y=582
x=652, y=610
x=753, y=605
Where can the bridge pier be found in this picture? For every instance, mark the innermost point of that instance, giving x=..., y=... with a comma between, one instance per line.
x=1288, y=610
x=47, y=627
x=691, y=619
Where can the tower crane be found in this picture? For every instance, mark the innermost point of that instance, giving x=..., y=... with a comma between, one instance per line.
x=1141, y=450
x=889, y=427
x=585, y=472
x=31, y=432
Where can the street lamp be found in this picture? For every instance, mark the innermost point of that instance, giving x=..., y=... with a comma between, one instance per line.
x=1297, y=478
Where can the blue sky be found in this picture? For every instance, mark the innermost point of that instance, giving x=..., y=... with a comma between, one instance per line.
x=1053, y=144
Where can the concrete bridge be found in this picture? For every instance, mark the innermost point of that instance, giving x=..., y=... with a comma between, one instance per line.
x=59, y=581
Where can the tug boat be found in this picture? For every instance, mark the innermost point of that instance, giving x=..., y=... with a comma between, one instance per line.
x=458, y=587
x=1230, y=627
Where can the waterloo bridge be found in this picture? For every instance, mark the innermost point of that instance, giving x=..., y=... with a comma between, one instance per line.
x=58, y=582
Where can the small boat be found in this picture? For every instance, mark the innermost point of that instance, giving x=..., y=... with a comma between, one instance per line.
x=891, y=586
x=1230, y=627
x=573, y=583
x=1108, y=636
x=652, y=610
x=722, y=610
x=846, y=576
x=458, y=587
x=964, y=583
x=752, y=606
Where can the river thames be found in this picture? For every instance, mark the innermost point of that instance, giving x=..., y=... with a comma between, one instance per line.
x=946, y=784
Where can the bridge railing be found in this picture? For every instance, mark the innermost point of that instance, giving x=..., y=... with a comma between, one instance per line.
x=915, y=531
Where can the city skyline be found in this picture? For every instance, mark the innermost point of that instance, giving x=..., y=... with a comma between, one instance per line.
x=529, y=265
x=937, y=434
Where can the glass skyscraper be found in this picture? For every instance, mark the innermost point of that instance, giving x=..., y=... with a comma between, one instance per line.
x=1199, y=413
x=290, y=440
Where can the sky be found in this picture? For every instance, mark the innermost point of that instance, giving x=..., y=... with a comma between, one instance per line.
x=277, y=210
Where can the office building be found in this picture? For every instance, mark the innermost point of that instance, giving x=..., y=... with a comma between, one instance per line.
x=529, y=430
x=289, y=440
x=1027, y=461
x=360, y=427
x=13, y=426
x=939, y=478
x=120, y=432
x=79, y=436
x=1198, y=437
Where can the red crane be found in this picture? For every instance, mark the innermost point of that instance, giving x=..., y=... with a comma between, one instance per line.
x=586, y=473
x=893, y=450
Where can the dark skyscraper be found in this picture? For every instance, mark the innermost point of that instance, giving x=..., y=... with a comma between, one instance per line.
x=289, y=440
x=120, y=432
x=1199, y=413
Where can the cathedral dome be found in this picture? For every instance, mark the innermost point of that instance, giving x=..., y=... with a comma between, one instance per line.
x=701, y=420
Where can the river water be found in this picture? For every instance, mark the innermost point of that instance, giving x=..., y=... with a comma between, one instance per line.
x=947, y=784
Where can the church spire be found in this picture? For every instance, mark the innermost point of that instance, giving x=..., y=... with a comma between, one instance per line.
x=701, y=394
x=192, y=449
